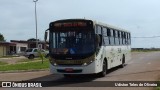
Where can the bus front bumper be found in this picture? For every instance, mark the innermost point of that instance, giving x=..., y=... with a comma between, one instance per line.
x=88, y=69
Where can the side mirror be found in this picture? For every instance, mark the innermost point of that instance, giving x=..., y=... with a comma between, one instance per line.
x=46, y=35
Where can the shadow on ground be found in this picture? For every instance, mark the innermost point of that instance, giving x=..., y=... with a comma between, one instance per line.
x=86, y=80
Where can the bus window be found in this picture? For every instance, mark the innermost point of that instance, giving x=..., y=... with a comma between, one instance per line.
x=111, y=37
x=100, y=43
x=118, y=34
x=123, y=39
x=120, y=38
x=116, y=38
x=108, y=32
x=129, y=39
x=106, y=41
x=111, y=32
x=99, y=30
x=104, y=32
x=114, y=33
x=105, y=37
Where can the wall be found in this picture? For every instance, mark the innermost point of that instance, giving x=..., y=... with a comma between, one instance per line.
x=19, y=46
x=2, y=50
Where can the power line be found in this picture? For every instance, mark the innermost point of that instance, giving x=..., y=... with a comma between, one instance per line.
x=147, y=37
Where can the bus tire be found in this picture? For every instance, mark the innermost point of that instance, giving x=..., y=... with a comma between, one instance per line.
x=104, y=69
x=31, y=56
x=123, y=62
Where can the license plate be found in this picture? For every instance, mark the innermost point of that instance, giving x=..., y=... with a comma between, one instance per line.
x=69, y=69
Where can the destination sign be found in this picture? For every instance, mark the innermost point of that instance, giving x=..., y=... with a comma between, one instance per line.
x=70, y=24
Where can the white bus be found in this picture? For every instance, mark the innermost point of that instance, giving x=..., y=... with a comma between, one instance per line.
x=80, y=46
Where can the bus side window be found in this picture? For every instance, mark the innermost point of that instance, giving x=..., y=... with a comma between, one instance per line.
x=108, y=32
x=105, y=37
x=123, y=38
x=129, y=39
x=120, y=38
x=111, y=37
x=104, y=32
x=116, y=38
x=99, y=30
x=100, y=43
x=99, y=34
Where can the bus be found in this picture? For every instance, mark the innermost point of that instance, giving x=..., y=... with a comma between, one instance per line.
x=83, y=46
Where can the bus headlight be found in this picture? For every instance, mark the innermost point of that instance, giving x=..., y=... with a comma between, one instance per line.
x=55, y=64
x=87, y=63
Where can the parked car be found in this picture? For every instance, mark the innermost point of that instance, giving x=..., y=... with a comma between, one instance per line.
x=31, y=53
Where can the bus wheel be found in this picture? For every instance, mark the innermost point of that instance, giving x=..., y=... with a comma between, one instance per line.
x=104, y=69
x=123, y=61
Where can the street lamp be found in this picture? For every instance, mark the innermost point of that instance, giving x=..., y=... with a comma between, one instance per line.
x=35, y=1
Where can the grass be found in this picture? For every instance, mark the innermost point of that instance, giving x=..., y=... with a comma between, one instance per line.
x=3, y=63
x=158, y=88
x=25, y=66
x=9, y=56
x=28, y=60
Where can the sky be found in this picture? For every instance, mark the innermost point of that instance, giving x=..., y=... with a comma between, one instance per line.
x=140, y=17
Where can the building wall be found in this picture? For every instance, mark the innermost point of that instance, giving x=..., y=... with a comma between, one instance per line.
x=3, y=51
x=21, y=47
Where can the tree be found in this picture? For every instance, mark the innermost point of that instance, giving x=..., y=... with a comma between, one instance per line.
x=2, y=37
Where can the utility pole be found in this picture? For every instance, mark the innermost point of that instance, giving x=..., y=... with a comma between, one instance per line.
x=35, y=1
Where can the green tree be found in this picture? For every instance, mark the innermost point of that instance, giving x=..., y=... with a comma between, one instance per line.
x=2, y=37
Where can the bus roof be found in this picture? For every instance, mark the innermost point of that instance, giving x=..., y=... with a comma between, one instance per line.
x=109, y=26
x=95, y=23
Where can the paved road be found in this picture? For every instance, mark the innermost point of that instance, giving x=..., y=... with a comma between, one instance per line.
x=144, y=66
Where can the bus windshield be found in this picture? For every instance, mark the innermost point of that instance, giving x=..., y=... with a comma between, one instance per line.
x=72, y=42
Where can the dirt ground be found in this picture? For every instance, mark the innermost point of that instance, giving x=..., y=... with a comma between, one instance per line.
x=12, y=60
